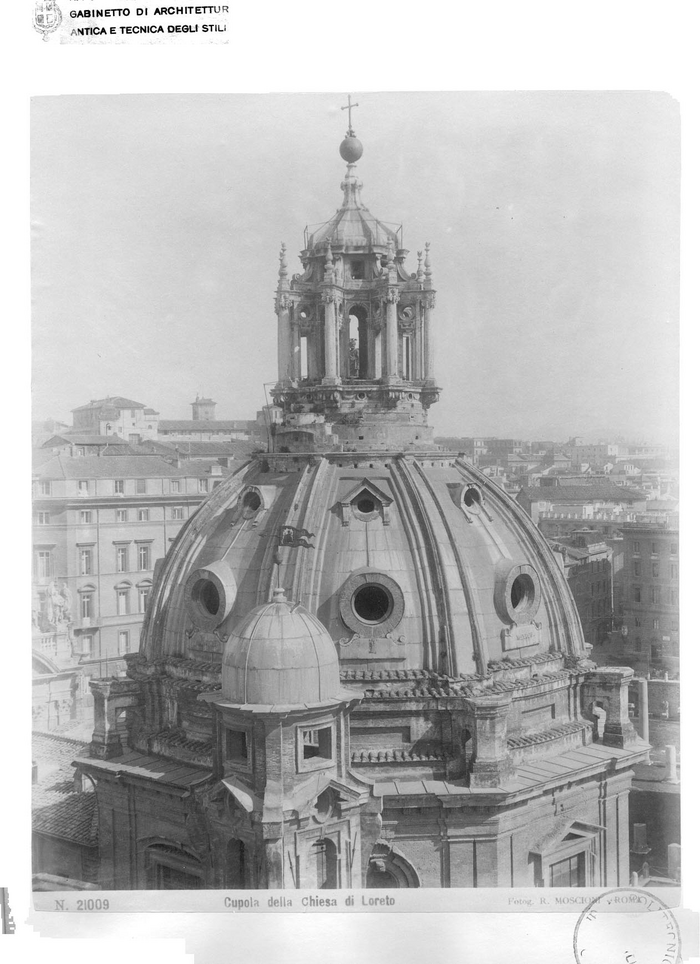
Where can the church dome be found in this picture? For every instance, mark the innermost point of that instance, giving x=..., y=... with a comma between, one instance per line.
x=279, y=654
x=353, y=226
x=408, y=564
x=406, y=559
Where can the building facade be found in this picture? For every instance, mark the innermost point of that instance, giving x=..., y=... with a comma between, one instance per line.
x=588, y=563
x=100, y=525
x=361, y=665
x=650, y=596
x=116, y=415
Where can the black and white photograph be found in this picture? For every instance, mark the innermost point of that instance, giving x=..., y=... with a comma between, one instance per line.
x=355, y=534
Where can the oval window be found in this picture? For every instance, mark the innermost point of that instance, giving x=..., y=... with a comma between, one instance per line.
x=206, y=595
x=252, y=501
x=472, y=497
x=372, y=603
x=522, y=593
x=366, y=505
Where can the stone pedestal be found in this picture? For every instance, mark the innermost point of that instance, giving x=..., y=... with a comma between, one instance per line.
x=111, y=697
x=608, y=687
x=491, y=764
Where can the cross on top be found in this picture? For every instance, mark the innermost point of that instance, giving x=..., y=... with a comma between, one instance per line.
x=348, y=107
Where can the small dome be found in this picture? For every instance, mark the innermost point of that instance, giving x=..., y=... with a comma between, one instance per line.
x=351, y=149
x=279, y=654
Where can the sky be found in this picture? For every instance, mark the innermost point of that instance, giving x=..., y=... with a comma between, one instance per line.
x=553, y=220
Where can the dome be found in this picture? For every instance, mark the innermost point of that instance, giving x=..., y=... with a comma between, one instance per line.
x=279, y=654
x=407, y=564
x=353, y=225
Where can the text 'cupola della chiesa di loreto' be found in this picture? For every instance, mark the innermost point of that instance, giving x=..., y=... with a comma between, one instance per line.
x=361, y=665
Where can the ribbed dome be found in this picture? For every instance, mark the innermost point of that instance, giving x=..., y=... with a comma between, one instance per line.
x=353, y=225
x=279, y=654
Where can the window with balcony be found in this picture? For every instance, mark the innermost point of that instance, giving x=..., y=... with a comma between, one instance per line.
x=122, y=558
x=87, y=605
x=44, y=563
x=122, y=601
x=85, y=558
x=144, y=553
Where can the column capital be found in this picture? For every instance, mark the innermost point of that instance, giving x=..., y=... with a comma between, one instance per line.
x=332, y=296
x=283, y=302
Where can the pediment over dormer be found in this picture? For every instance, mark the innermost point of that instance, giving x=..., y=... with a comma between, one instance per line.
x=366, y=501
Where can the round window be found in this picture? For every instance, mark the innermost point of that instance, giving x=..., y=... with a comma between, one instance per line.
x=210, y=592
x=372, y=603
x=366, y=505
x=206, y=595
x=522, y=592
x=518, y=593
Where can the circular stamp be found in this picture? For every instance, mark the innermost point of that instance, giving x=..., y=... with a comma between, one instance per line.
x=627, y=926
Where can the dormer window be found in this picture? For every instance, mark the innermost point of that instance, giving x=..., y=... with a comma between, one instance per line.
x=366, y=506
x=252, y=503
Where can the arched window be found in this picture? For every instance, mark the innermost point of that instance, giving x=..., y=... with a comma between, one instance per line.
x=236, y=865
x=358, y=361
x=387, y=868
x=324, y=854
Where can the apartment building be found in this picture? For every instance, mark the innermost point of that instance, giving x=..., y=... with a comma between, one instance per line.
x=99, y=527
x=650, y=595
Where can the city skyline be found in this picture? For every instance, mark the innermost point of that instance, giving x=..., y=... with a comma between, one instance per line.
x=549, y=216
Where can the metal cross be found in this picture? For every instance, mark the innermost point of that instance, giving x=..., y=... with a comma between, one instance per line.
x=348, y=107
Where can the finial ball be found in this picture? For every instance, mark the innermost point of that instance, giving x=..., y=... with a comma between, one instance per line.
x=351, y=149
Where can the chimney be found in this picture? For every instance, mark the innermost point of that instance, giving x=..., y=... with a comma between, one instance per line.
x=674, y=861
x=671, y=774
x=639, y=839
